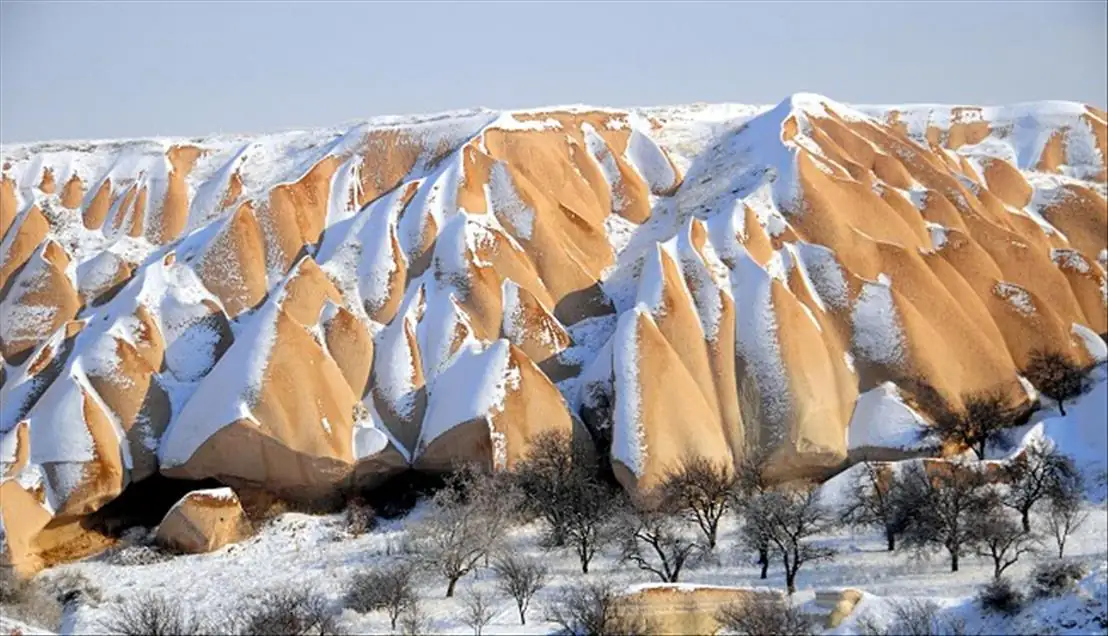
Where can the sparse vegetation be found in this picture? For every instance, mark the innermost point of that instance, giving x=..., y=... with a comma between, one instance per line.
x=947, y=500
x=477, y=611
x=788, y=519
x=1056, y=577
x=359, y=517
x=876, y=499
x=596, y=609
x=770, y=616
x=914, y=617
x=1002, y=539
x=654, y=539
x=1001, y=596
x=154, y=615
x=974, y=426
x=414, y=620
x=1057, y=376
x=390, y=589
x=28, y=601
x=521, y=578
x=702, y=491
x=286, y=611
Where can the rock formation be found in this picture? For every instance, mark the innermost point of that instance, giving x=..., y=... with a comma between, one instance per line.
x=314, y=311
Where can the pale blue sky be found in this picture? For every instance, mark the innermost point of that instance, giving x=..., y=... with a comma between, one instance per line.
x=94, y=70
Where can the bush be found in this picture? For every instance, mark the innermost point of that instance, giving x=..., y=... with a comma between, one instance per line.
x=414, y=621
x=1000, y=596
x=71, y=586
x=1056, y=577
x=596, y=609
x=388, y=589
x=359, y=517
x=913, y=617
x=151, y=615
x=773, y=616
x=131, y=555
x=28, y=601
x=297, y=612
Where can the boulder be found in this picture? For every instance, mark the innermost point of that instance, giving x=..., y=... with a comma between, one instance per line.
x=203, y=521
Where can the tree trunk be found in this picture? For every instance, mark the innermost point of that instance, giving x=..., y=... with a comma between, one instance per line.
x=890, y=540
x=763, y=559
x=1061, y=548
x=790, y=582
x=953, y=561
x=1061, y=407
x=450, y=587
x=584, y=566
x=522, y=616
x=1025, y=516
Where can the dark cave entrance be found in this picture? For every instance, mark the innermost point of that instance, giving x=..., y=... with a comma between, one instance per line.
x=144, y=503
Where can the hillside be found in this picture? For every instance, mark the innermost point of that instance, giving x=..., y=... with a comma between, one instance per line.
x=314, y=311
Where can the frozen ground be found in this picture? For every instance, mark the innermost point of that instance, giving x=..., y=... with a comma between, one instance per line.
x=314, y=553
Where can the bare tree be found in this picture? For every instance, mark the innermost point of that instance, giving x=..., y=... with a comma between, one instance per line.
x=549, y=475
x=946, y=500
x=985, y=414
x=750, y=482
x=390, y=589
x=1064, y=512
x=289, y=611
x=1032, y=476
x=596, y=609
x=590, y=517
x=769, y=616
x=521, y=578
x=1056, y=376
x=477, y=611
x=414, y=620
x=914, y=617
x=464, y=524
x=789, y=519
x=652, y=537
x=1002, y=539
x=875, y=500
x=702, y=490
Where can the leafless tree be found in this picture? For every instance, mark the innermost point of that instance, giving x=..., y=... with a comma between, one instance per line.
x=750, y=482
x=1064, y=513
x=414, y=620
x=654, y=539
x=521, y=578
x=1002, y=539
x=590, y=517
x=1032, y=476
x=702, y=490
x=875, y=499
x=464, y=524
x=596, y=609
x=946, y=500
x=390, y=589
x=789, y=519
x=477, y=611
x=913, y=617
x=549, y=475
x=1056, y=376
x=985, y=414
x=770, y=616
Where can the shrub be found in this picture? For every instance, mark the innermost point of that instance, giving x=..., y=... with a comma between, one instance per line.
x=71, y=586
x=289, y=611
x=1000, y=596
x=28, y=601
x=477, y=611
x=359, y=517
x=132, y=555
x=388, y=589
x=521, y=578
x=1056, y=577
x=773, y=616
x=414, y=621
x=596, y=609
x=151, y=615
x=914, y=617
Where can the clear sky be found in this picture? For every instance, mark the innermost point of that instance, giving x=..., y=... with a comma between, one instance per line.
x=102, y=69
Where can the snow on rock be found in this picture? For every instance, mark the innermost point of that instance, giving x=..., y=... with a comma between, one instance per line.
x=878, y=334
x=881, y=419
x=628, y=432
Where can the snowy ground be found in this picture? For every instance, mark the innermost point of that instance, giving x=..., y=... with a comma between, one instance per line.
x=314, y=553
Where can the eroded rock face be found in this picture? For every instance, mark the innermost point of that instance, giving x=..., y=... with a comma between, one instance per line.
x=315, y=311
x=203, y=521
